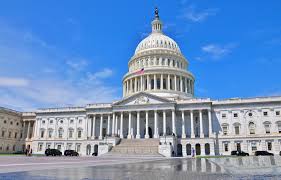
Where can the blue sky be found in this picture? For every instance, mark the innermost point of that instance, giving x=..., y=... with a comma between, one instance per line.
x=64, y=53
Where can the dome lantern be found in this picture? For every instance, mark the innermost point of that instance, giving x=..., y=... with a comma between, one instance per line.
x=156, y=23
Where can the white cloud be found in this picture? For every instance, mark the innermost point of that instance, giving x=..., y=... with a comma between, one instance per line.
x=105, y=73
x=50, y=80
x=13, y=82
x=192, y=14
x=217, y=51
x=77, y=64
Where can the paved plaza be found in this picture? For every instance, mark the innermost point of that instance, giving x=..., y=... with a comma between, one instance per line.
x=149, y=167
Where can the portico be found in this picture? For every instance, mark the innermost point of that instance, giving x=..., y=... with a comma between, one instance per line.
x=148, y=116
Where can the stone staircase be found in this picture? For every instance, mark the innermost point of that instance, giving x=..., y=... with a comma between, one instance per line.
x=136, y=147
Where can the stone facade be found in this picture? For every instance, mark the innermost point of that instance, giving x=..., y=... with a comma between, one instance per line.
x=11, y=129
x=158, y=102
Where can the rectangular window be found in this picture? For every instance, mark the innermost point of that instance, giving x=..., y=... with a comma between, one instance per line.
x=269, y=146
x=279, y=128
x=59, y=147
x=267, y=128
x=79, y=133
x=78, y=147
x=224, y=129
x=40, y=147
x=238, y=146
x=42, y=134
x=10, y=134
x=16, y=134
x=223, y=115
x=277, y=113
x=226, y=147
x=70, y=134
x=50, y=133
x=236, y=130
x=3, y=133
x=265, y=113
x=69, y=146
x=235, y=115
x=254, y=146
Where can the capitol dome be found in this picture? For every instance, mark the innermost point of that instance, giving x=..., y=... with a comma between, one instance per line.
x=157, y=40
x=158, y=67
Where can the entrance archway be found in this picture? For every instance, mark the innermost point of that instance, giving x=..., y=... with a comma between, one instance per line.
x=179, y=150
x=96, y=148
x=207, y=149
x=198, y=149
x=188, y=149
x=88, y=149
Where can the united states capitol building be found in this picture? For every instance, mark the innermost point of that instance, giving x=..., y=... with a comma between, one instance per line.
x=158, y=114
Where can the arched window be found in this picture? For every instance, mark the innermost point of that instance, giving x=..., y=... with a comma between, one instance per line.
x=50, y=133
x=60, y=132
x=252, y=127
x=224, y=127
x=278, y=123
x=267, y=126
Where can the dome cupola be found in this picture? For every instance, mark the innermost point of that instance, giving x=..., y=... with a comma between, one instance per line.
x=158, y=67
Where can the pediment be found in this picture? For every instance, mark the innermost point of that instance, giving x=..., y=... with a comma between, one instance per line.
x=142, y=98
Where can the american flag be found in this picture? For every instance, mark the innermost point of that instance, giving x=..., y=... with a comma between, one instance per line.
x=140, y=71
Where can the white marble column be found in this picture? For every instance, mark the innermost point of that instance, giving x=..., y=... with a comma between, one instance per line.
x=192, y=124
x=108, y=124
x=121, y=126
x=129, y=126
x=175, y=82
x=142, y=85
x=174, y=122
x=28, y=130
x=156, y=135
x=113, y=124
x=146, y=125
x=181, y=83
x=210, y=123
x=89, y=126
x=183, y=134
x=116, y=125
x=135, y=87
x=168, y=82
x=164, y=123
x=201, y=124
x=131, y=85
x=138, y=125
x=94, y=127
x=101, y=122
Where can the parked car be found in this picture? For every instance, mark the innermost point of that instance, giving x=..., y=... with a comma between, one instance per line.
x=53, y=152
x=239, y=153
x=71, y=153
x=263, y=153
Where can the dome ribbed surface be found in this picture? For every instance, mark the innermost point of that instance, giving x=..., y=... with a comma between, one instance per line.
x=157, y=41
